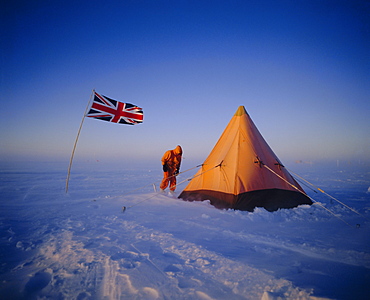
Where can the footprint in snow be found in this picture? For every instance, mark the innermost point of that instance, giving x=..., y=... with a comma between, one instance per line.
x=128, y=259
x=36, y=283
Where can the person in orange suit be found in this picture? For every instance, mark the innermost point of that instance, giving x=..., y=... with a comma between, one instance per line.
x=171, y=162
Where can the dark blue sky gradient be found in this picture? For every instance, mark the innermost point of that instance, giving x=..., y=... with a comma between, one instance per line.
x=300, y=68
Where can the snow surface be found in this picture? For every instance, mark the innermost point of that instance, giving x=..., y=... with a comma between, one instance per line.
x=81, y=245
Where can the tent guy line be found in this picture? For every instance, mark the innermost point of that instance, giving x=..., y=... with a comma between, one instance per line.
x=124, y=208
x=313, y=200
x=153, y=183
x=241, y=182
x=325, y=193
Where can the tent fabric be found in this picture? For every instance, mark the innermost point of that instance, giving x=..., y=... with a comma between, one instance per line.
x=234, y=176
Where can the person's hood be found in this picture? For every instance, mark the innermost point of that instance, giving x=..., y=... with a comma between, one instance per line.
x=178, y=150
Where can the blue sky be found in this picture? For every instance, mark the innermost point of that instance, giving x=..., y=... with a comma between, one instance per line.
x=300, y=68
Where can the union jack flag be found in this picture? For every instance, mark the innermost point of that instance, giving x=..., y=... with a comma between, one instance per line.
x=106, y=109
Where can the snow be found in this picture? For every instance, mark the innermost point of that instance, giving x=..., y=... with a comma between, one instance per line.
x=82, y=245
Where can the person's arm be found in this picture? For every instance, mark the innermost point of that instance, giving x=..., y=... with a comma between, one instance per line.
x=164, y=161
x=178, y=167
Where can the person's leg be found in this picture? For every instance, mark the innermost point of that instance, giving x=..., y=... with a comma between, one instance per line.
x=165, y=181
x=173, y=183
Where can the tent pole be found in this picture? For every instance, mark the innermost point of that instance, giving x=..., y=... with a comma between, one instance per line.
x=75, y=144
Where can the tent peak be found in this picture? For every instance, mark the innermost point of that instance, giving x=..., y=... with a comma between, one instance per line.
x=231, y=179
x=241, y=111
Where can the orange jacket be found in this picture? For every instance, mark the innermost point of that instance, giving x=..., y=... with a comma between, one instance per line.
x=172, y=158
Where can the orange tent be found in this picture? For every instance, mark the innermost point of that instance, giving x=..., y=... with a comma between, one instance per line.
x=242, y=172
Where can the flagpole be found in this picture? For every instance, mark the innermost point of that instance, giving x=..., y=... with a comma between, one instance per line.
x=75, y=144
